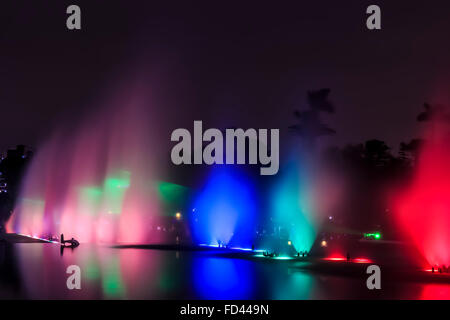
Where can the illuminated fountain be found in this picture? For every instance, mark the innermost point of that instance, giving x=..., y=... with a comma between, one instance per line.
x=292, y=207
x=224, y=210
x=305, y=194
x=95, y=183
x=423, y=209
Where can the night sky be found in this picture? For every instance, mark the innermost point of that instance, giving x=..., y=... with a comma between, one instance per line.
x=226, y=63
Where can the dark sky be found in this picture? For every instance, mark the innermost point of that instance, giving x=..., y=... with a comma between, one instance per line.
x=246, y=64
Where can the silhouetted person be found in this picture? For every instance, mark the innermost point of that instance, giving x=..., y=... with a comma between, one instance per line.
x=72, y=242
x=348, y=256
x=432, y=269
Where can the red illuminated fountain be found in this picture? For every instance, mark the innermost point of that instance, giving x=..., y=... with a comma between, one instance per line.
x=423, y=209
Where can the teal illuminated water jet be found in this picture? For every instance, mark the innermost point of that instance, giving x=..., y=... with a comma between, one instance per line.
x=291, y=207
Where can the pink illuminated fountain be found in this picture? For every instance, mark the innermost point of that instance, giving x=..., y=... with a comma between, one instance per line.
x=95, y=183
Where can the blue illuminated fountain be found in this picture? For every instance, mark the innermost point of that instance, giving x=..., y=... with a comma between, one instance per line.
x=224, y=210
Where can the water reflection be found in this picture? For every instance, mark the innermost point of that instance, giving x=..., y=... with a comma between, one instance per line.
x=435, y=292
x=10, y=281
x=38, y=271
x=292, y=285
x=218, y=278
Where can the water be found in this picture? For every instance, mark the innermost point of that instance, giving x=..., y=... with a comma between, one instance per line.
x=38, y=271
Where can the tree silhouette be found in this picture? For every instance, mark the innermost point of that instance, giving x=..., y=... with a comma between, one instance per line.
x=377, y=152
x=12, y=168
x=309, y=125
x=432, y=111
x=427, y=114
x=409, y=150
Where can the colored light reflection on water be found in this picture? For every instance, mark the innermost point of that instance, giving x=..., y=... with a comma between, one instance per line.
x=335, y=259
x=293, y=286
x=338, y=257
x=224, y=209
x=39, y=272
x=217, y=278
x=112, y=283
x=273, y=258
x=436, y=292
x=335, y=256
